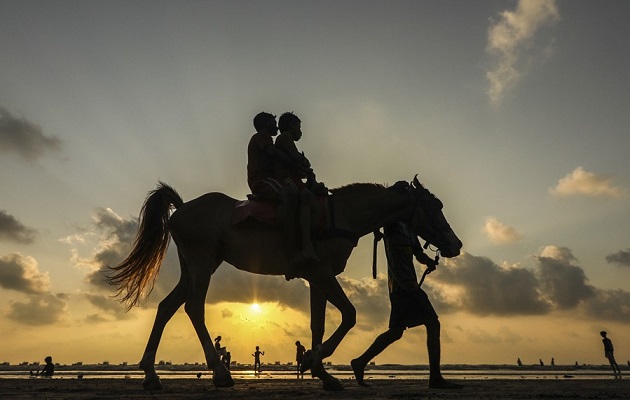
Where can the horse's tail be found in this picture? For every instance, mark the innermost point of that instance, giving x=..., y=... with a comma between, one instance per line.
x=135, y=276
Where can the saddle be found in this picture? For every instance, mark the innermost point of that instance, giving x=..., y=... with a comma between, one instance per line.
x=267, y=211
x=262, y=210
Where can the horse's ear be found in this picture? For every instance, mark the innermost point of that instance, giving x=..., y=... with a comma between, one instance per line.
x=416, y=183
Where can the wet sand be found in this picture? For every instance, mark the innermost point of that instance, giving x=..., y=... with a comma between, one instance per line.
x=310, y=389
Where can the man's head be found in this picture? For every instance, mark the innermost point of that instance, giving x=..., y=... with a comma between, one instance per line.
x=603, y=333
x=265, y=122
x=289, y=122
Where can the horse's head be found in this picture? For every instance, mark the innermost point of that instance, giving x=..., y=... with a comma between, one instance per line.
x=428, y=221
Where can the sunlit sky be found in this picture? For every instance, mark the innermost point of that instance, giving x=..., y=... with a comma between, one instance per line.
x=514, y=113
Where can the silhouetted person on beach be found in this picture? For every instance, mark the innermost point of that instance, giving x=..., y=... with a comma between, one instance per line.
x=410, y=305
x=297, y=195
x=553, y=362
x=540, y=361
x=256, y=356
x=227, y=359
x=609, y=354
x=519, y=362
x=264, y=160
x=48, y=370
x=299, y=355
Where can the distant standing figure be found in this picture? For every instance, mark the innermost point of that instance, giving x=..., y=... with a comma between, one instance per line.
x=227, y=359
x=553, y=362
x=609, y=354
x=410, y=305
x=48, y=370
x=542, y=364
x=299, y=355
x=257, y=355
x=519, y=362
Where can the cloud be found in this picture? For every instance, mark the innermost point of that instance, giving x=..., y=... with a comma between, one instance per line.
x=512, y=41
x=45, y=309
x=580, y=182
x=107, y=305
x=622, y=258
x=21, y=273
x=19, y=136
x=370, y=298
x=485, y=288
x=114, y=238
x=12, y=229
x=499, y=233
x=562, y=283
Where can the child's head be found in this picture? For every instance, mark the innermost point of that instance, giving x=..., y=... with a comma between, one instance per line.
x=265, y=122
x=289, y=122
x=603, y=333
x=48, y=359
x=257, y=348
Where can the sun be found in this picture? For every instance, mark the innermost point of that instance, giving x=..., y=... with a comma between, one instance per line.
x=256, y=307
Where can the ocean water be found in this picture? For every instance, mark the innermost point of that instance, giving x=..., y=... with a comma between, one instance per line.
x=342, y=372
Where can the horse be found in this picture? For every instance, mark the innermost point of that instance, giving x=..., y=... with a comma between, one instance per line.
x=205, y=237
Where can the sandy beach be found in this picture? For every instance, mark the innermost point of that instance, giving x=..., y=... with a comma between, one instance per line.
x=310, y=389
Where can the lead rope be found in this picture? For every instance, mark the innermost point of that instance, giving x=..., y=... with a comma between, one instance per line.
x=377, y=236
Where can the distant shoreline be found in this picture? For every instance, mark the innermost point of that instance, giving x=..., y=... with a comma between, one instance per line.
x=338, y=367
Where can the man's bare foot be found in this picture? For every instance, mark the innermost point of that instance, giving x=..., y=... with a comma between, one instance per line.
x=359, y=372
x=441, y=383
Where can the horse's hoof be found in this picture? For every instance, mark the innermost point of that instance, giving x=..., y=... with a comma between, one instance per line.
x=332, y=384
x=223, y=382
x=307, y=361
x=152, y=384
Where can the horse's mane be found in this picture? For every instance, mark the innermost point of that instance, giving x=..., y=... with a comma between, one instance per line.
x=356, y=188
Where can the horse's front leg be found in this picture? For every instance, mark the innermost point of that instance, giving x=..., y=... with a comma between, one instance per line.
x=323, y=289
x=166, y=310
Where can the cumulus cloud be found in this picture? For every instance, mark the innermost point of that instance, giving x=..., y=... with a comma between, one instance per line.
x=562, y=283
x=22, y=137
x=114, y=235
x=21, y=273
x=583, y=183
x=622, y=258
x=513, y=41
x=45, y=309
x=500, y=233
x=106, y=306
x=485, y=288
x=12, y=229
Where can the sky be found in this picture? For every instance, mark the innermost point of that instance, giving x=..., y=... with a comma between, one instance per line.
x=514, y=113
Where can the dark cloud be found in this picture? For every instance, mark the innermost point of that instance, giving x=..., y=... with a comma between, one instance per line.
x=563, y=283
x=108, y=306
x=371, y=299
x=612, y=305
x=622, y=258
x=12, y=229
x=45, y=309
x=21, y=273
x=489, y=289
x=22, y=137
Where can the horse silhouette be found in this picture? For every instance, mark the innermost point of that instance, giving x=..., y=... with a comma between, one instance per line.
x=205, y=236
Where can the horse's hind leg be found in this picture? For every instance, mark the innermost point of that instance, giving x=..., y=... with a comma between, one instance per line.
x=166, y=310
x=201, y=267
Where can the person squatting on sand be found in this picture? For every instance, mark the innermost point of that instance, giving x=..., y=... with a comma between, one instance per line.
x=410, y=305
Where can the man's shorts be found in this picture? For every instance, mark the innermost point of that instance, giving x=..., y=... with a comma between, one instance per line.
x=410, y=308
